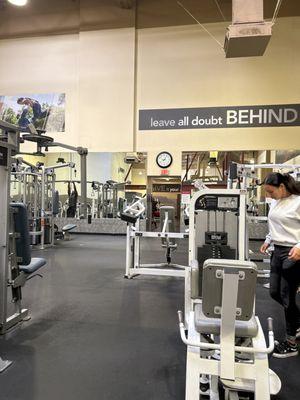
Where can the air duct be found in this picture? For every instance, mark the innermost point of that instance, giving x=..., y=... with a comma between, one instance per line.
x=132, y=158
x=249, y=34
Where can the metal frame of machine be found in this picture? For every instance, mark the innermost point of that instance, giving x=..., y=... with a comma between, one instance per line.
x=247, y=171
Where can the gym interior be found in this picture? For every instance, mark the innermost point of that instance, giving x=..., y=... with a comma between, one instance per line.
x=137, y=142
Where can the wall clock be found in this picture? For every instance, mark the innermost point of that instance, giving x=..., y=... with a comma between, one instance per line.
x=164, y=159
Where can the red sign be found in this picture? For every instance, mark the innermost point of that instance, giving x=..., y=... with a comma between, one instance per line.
x=164, y=172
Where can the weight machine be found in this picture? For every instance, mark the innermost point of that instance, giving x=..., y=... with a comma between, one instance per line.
x=49, y=201
x=134, y=267
x=226, y=350
x=37, y=190
x=16, y=264
x=110, y=198
x=26, y=189
x=43, y=141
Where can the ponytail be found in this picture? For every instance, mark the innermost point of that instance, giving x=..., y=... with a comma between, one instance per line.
x=276, y=179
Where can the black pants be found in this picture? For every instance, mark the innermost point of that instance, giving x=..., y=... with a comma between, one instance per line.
x=71, y=212
x=284, y=283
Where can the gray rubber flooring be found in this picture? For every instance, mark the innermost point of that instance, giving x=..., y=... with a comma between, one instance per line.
x=95, y=335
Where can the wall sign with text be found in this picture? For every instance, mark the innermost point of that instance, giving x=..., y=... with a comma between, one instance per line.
x=220, y=117
x=169, y=188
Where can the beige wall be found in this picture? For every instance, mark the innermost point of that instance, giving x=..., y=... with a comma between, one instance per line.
x=106, y=89
x=176, y=67
x=96, y=71
x=43, y=65
x=138, y=176
x=119, y=168
x=184, y=67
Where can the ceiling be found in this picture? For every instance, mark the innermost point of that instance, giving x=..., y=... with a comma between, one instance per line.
x=44, y=17
x=155, y=13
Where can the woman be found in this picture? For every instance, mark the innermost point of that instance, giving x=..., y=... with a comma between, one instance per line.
x=284, y=233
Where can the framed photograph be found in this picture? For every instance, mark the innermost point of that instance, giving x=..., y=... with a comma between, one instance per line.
x=44, y=111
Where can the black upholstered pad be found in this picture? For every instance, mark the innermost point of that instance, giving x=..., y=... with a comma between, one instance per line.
x=128, y=218
x=22, y=228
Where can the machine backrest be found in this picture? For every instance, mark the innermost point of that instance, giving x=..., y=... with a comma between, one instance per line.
x=127, y=217
x=20, y=220
x=212, y=287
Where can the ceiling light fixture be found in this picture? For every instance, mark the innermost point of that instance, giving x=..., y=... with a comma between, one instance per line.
x=18, y=2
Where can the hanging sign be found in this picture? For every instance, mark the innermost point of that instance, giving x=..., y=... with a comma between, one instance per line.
x=220, y=117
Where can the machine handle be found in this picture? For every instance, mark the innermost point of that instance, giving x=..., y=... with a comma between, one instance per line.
x=180, y=317
x=270, y=324
x=215, y=346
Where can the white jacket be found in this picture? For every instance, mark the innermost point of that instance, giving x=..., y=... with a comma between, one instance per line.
x=284, y=222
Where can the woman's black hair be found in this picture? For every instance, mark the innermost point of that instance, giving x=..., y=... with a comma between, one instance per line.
x=276, y=179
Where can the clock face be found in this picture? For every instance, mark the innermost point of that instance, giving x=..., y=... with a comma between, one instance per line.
x=164, y=159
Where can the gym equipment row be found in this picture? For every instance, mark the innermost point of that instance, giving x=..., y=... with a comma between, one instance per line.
x=35, y=186
x=105, y=201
